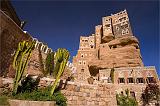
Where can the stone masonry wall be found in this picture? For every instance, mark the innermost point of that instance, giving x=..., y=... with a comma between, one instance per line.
x=80, y=94
x=34, y=63
x=11, y=34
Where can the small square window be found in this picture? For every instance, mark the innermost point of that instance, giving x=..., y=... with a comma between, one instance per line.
x=80, y=62
x=108, y=25
x=127, y=31
x=82, y=55
x=140, y=80
x=150, y=80
x=121, y=80
x=114, y=46
x=130, y=80
x=117, y=28
x=82, y=70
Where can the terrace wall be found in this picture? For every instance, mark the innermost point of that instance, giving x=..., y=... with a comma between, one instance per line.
x=80, y=94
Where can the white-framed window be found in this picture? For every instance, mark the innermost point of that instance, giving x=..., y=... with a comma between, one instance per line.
x=82, y=55
x=86, y=40
x=123, y=23
x=123, y=32
x=117, y=28
x=127, y=31
x=82, y=70
x=84, y=62
x=80, y=62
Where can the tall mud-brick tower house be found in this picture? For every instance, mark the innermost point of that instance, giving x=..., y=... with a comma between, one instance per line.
x=112, y=47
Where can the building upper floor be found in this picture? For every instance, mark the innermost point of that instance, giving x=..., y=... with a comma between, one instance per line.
x=129, y=75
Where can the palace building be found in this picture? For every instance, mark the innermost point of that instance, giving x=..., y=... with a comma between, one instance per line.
x=112, y=46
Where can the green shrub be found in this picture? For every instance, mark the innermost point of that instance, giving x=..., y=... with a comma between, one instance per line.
x=60, y=99
x=36, y=95
x=126, y=100
x=28, y=84
x=123, y=100
x=49, y=63
x=42, y=95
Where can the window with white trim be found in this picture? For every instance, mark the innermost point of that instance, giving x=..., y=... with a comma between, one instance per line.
x=80, y=62
x=82, y=55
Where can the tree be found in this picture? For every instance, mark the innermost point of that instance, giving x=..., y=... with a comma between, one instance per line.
x=151, y=94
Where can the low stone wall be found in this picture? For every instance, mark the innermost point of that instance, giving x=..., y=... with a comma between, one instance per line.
x=80, y=94
x=31, y=103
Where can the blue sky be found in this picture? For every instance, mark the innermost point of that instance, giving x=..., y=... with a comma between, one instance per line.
x=61, y=23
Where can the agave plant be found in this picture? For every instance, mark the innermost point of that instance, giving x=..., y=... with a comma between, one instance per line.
x=20, y=61
x=61, y=59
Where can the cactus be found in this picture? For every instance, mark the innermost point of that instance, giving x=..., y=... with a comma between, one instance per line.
x=49, y=63
x=61, y=59
x=20, y=61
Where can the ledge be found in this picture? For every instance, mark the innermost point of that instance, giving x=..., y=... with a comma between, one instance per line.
x=13, y=102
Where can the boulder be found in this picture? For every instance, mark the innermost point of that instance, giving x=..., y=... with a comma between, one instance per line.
x=123, y=52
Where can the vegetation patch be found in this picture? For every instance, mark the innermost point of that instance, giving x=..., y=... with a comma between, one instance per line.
x=27, y=88
x=42, y=94
x=151, y=94
x=126, y=99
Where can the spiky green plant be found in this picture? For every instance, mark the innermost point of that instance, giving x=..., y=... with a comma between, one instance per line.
x=126, y=100
x=20, y=61
x=49, y=64
x=61, y=58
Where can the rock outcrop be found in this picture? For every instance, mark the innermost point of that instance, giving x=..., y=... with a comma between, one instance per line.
x=119, y=52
